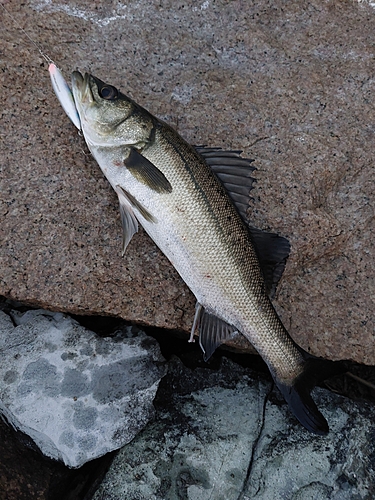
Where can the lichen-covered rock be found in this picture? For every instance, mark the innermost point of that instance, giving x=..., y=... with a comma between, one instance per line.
x=217, y=436
x=78, y=396
x=291, y=84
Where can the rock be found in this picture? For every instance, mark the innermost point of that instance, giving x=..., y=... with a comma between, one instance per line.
x=26, y=474
x=78, y=396
x=223, y=435
x=291, y=85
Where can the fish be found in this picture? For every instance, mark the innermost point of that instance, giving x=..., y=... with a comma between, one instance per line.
x=192, y=202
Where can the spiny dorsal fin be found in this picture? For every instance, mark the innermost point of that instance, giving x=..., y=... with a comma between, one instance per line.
x=233, y=171
x=235, y=174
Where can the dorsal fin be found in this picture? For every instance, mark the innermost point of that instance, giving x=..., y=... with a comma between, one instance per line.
x=272, y=251
x=234, y=172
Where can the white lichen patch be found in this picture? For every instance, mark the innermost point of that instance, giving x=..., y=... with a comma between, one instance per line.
x=77, y=395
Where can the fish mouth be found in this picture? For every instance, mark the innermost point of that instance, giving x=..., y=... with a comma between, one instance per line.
x=82, y=89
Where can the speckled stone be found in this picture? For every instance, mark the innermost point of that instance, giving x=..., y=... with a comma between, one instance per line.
x=78, y=396
x=291, y=84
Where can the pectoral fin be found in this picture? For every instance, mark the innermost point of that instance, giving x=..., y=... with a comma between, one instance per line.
x=146, y=172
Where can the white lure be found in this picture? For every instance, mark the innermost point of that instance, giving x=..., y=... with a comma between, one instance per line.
x=64, y=94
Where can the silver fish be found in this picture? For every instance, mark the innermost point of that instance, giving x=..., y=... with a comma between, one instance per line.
x=190, y=201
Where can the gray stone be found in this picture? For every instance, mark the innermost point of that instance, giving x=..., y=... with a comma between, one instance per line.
x=290, y=83
x=78, y=396
x=230, y=438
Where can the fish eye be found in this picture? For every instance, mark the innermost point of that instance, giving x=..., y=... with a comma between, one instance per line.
x=108, y=93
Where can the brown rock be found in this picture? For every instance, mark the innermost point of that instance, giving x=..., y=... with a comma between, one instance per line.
x=289, y=83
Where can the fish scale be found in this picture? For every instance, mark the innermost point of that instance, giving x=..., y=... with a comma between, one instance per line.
x=167, y=186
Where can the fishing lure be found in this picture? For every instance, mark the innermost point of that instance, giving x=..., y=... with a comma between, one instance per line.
x=59, y=85
x=64, y=94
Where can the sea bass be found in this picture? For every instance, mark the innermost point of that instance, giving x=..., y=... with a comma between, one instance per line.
x=190, y=201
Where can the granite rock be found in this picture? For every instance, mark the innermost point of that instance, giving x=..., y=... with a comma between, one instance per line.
x=78, y=396
x=224, y=435
x=291, y=84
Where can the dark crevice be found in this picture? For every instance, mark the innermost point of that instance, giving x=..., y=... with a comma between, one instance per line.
x=254, y=448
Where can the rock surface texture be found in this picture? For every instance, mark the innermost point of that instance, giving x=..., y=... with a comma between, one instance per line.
x=78, y=396
x=223, y=435
x=291, y=84
x=26, y=474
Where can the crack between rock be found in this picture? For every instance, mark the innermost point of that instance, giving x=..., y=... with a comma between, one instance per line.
x=213, y=489
x=255, y=447
x=258, y=140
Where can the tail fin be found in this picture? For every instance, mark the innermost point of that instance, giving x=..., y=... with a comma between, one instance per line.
x=298, y=397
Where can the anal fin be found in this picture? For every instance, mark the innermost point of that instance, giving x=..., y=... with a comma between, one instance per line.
x=213, y=331
x=198, y=312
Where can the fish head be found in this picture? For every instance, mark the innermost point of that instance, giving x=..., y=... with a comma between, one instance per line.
x=108, y=117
